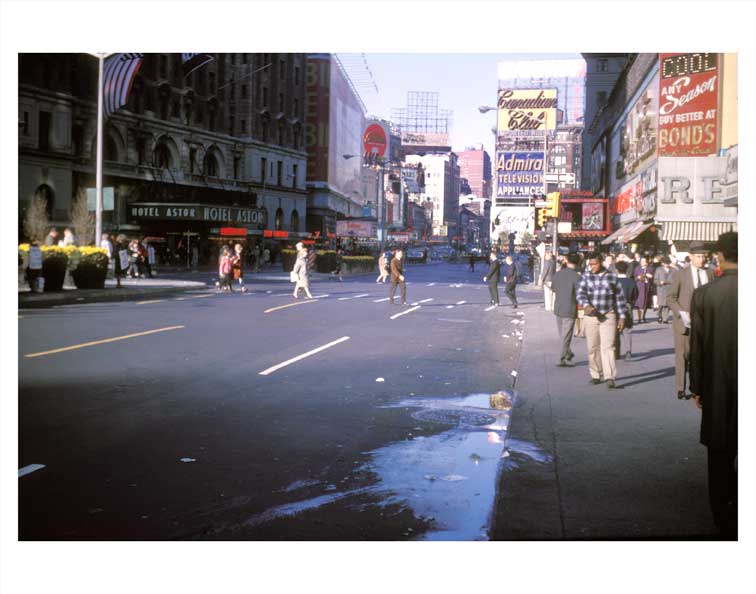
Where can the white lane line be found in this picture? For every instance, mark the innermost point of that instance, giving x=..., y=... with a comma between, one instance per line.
x=321, y=296
x=29, y=469
x=490, y=308
x=379, y=300
x=426, y=300
x=456, y=321
x=354, y=297
x=270, y=370
x=461, y=302
x=415, y=302
x=449, y=307
x=180, y=299
x=150, y=301
x=403, y=313
x=431, y=284
x=296, y=303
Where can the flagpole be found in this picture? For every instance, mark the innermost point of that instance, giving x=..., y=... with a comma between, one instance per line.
x=98, y=198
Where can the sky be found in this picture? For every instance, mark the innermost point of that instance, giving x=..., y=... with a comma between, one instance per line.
x=463, y=81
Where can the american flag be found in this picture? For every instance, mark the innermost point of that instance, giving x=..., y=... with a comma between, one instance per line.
x=120, y=70
x=193, y=61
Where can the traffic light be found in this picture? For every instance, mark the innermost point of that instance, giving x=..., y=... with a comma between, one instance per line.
x=542, y=217
x=552, y=204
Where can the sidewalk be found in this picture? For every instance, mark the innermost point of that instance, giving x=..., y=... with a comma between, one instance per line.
x=131, y=289
x=624, y=464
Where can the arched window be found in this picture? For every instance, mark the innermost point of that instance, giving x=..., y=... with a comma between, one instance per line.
x=162, y=156
x=109, y=149
x=295, y=221
x=45, y=192
x=211, y=166
x=279, y=219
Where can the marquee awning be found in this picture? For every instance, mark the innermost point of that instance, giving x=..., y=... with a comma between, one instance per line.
x=695, y=230
x=627, y=233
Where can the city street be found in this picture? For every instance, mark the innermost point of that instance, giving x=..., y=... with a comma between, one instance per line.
x=255, y=416
x=202, y=423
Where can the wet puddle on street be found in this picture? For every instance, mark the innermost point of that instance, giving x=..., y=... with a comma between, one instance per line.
x=447, y=480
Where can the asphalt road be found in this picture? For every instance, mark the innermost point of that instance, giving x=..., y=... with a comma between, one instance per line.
x=174, y=432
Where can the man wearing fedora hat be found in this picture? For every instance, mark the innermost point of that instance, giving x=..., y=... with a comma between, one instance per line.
x=714, y=380
x=679, y=298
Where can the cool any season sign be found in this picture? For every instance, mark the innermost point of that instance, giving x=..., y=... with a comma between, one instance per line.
x=688, y=97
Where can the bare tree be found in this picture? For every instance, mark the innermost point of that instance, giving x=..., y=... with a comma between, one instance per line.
x=82, y=219
x=36, y=222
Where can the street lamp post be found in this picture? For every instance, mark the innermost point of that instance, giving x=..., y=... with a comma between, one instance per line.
x=98, y=167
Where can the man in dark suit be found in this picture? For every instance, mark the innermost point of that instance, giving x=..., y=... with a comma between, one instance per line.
x=679, y=297
x=565, y=286
x=492, y=278
x=714, y=380
x=510, y=280
x=397, y=276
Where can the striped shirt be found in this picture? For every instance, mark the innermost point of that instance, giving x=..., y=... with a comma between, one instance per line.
x=603, y=292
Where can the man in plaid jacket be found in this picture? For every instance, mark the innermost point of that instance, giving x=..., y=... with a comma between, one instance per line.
x=605, y=308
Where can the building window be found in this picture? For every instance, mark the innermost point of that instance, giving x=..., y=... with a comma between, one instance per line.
x=231, y=125
x=237, y=163
x=296, y=75
x=280, y=102
x=176, y=111
x=244, y=91
x=279, y=219
x=211, y=76
x=211, y=165
x=265, y=96
x=282, y=69
x=280, y=133
x=243, y=130
x=192, y=159
x=263, y=169
x=601, y=98
x=25, y=124
x=201, y=82
x=294, y=176
x=44, y=130
x=296, y=108
x=163, y=66
x=280, y=173
x=602, y=65
x=244, y=58
x=233, y=59
x=294, y=221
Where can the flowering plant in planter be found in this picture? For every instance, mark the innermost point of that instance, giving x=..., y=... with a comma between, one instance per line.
x=54, y=264
x=89, y=266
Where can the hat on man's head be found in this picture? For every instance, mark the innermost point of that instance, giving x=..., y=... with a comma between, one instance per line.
x=698, y=247
x=727, y=243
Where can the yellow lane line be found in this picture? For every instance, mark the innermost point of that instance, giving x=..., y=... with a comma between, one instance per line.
x=96, y=342
x=151, y=301
x=290, y=305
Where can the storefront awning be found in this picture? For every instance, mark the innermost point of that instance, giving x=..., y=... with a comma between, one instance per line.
x=695, y=230
x=627, y=233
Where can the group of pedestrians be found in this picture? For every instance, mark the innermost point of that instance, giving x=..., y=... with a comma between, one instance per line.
x=231, y=268
x=704, y=307
x=509, y=276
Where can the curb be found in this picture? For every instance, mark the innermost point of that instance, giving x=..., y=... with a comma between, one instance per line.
x=25, y=301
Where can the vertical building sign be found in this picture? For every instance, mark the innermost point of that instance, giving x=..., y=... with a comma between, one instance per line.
x=688, y=99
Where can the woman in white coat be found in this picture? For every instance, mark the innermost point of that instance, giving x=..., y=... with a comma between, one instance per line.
x=302, y=273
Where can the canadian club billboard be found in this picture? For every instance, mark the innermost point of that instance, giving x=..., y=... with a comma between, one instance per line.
x=688, y=98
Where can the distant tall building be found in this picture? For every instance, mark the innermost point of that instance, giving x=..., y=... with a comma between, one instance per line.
x=441, y=188
x=602, y=72
x=475, y=167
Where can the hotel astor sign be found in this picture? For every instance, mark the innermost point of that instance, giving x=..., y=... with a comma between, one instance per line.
x=210, y=213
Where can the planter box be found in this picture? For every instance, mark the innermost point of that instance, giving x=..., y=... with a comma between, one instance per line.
x=54, y=271
x=89, y=276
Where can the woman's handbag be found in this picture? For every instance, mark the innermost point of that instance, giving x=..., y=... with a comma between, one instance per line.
x=293, y=276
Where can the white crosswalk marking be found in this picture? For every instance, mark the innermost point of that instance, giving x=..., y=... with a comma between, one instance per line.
x=403, y=313
x=379, y=300
x=354, y=297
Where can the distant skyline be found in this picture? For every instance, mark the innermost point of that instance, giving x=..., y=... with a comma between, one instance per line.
x=463, y=82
